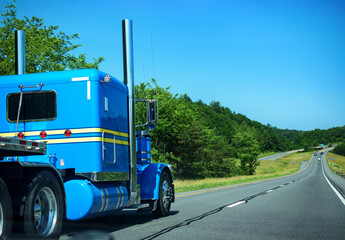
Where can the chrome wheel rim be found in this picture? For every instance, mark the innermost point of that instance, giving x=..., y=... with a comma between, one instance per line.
x=45, y=211
x=1, y=219
x=165, y=196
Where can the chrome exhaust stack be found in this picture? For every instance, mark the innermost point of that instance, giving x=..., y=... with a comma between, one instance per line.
x=20, y=52
x=128, y=71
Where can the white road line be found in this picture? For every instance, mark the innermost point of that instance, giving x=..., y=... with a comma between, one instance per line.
x=330, y=184
x=235, y=204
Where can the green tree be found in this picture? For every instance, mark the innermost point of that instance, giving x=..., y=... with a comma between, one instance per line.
x=173, y=130
x=246, y=149
x=307, y=148
x=191, y=150
x=218, y=162
x=340, y=149
x=46, y=48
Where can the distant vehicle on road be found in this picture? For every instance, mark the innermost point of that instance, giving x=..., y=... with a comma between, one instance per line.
x=315, y=154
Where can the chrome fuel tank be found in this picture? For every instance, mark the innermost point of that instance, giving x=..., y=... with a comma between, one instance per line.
x=85, y=199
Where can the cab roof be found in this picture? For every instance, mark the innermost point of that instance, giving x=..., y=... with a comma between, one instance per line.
x=53, y=78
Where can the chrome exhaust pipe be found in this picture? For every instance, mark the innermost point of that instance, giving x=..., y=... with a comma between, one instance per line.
x=20, y=52
x=128, y=71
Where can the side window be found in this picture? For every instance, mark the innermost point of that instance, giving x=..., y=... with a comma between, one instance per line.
x=36, y=106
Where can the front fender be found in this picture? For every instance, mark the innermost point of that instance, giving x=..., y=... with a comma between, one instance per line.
x=149, y=180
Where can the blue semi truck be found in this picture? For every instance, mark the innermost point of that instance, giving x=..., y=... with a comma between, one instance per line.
x=70, y=149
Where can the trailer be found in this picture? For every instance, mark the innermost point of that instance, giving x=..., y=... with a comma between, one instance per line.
x=70, y=149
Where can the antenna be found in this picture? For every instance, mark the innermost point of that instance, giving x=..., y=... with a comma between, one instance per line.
x=153, y=62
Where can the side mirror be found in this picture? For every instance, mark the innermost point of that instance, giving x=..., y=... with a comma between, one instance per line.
x=151, y=113
x=151, y=126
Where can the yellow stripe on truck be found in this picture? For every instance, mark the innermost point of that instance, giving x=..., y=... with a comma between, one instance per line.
x=83, y=139
x=74, y=131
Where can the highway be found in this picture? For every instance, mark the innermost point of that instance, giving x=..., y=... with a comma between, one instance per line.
x=278, y=155
x=300, y=206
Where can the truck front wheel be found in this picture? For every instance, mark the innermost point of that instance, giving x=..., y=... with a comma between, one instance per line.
x=164, y=201
x=6, y=214
x=43, y=215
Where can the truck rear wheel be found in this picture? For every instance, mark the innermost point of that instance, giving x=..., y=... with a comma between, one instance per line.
x=44, y=208
x=6, y=214
x=164, y=201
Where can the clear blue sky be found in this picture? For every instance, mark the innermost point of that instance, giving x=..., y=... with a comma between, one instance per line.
x=277, y=62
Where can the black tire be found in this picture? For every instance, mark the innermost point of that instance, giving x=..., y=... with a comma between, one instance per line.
x=6, y=212
x=44, y=207
x=164, y=201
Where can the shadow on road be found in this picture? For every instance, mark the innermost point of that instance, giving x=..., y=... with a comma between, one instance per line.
x=98, y=228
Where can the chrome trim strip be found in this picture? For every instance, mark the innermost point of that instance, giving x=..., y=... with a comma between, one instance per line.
x=107, y=200
x=122, y=197
x=105, y=176
x=101, y=208
x=118, y=198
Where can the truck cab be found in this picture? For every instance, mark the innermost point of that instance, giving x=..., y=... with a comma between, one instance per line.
x=69, y=149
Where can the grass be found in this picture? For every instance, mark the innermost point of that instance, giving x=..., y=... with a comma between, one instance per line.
x=268, y=169
x=283, y=166
x=338, y=163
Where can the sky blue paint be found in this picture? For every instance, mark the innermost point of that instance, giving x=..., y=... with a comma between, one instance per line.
x=277, y=62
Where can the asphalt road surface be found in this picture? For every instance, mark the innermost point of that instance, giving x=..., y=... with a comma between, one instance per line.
x=278, y=155
x=300, y=206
